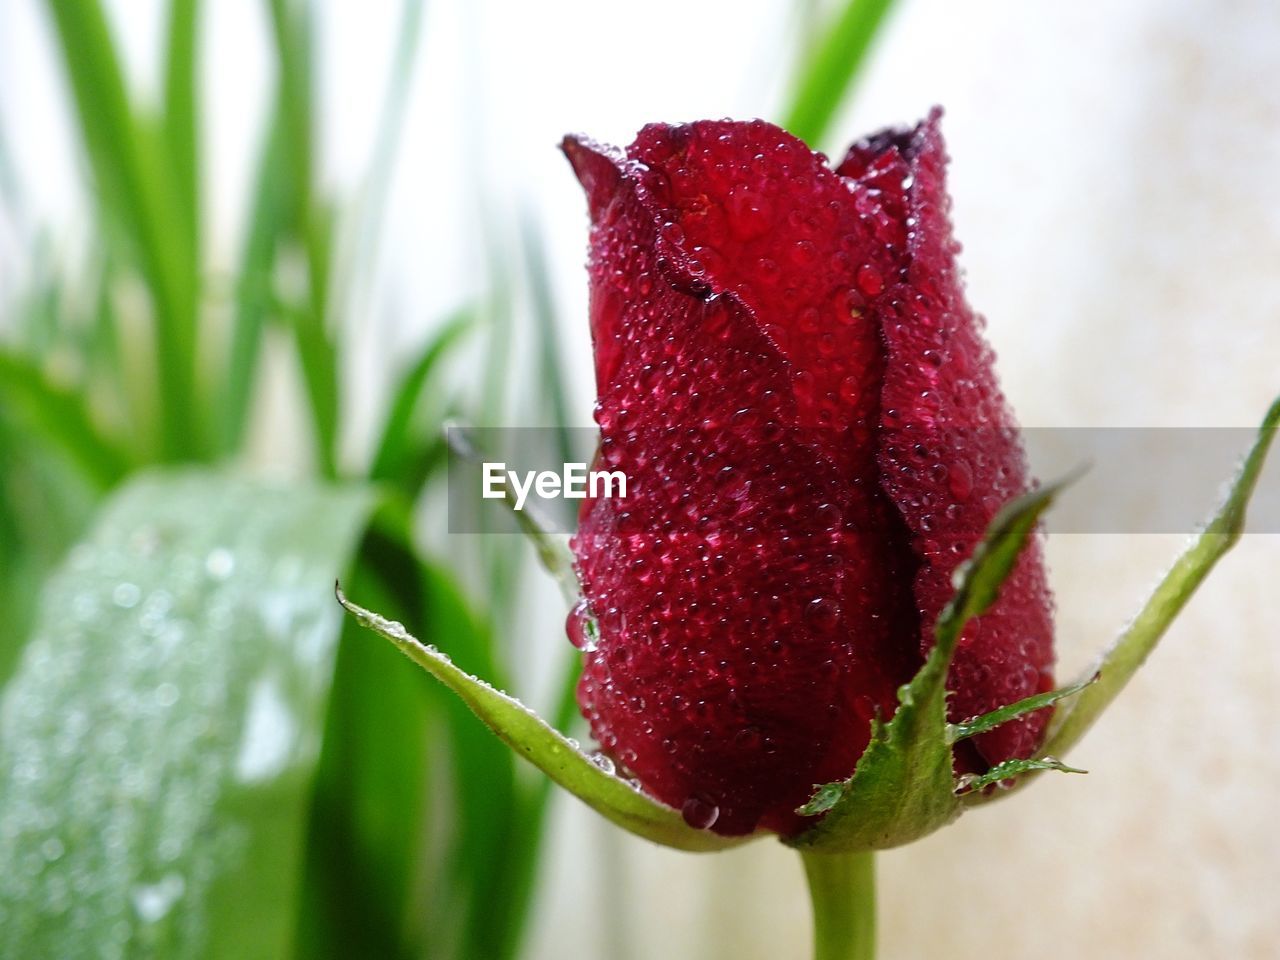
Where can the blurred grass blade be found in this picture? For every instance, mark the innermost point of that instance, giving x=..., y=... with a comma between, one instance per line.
x=317, y=351
x=253, y=296
x=310, y=222
x=181, y=117
x=530, y=736
x=829, y=68
x=43, y=510
x=403, y=436
x=368, y=825
x=358, y=254
x=164, y=725
x=1076, y=715
x=551, y=374
x=62, y=419
x=135, y=187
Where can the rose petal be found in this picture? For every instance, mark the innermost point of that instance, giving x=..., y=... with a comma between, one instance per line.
x=751, y=601
x=950, y=449
x=750, y=209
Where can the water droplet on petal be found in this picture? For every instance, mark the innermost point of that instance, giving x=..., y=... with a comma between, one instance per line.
x=581, y=628
x=699, y=813
x=869, y=280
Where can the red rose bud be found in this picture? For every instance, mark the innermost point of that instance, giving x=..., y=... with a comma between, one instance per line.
x=807, y=413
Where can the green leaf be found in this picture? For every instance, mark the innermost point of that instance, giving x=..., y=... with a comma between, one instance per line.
x=399, y=457
x=903, y=787
x=989, y=721
x=160, y=736
x=973, y=783
x=135, y=187
x=62, y=418
x=44, y=507
x=253, y=296
x=373, y=792
x=830, y=66
x=530, y=736
x=181, y=120
x=1077, y=714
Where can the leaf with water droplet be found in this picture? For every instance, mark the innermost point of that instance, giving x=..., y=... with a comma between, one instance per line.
x=903, y=787
x=160, y=734
x=989, y=721
x=546, y=748
x=973, y=783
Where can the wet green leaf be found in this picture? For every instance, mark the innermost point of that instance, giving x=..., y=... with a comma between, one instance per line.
x=989, y=721
x=973, y=783
x=161, y=732
x=554, y=754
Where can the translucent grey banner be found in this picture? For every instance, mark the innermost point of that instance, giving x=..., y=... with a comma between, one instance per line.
x=1135, y=480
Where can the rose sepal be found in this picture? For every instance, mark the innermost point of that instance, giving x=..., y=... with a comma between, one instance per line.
x=903, y=787
x=613, y=797
x=1079, y=711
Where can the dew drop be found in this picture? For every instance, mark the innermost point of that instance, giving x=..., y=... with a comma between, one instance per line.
x=220, y=563
x=700, y=813
x=748, y=738
x=869, y=280
x=126, y=595
x=960, y=480
x=822, y=613
x=581, y=627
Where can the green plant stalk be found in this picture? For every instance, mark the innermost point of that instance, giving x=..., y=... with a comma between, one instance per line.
x=134, y=184
x=311, y=224
x=842, y=887
x=830, y=67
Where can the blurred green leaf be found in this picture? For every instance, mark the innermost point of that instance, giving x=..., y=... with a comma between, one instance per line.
x=181, y=118
x=45, y=503
x=311, y=223
x=399, y=457
x=526, y=733
x=161, y=733
x=367, y=831
x=830, y=65
x=136, y=188
x=253, y=296
x=62, y=418
x=903, y=787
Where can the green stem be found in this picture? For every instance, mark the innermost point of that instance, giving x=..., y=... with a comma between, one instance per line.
x=843, y=889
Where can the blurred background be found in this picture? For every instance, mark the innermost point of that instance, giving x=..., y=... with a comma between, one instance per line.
x=280, y=243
